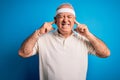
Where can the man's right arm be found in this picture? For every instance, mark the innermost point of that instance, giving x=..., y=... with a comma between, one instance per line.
x=26, y=49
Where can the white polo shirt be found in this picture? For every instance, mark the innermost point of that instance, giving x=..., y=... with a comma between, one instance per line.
x=63, y=58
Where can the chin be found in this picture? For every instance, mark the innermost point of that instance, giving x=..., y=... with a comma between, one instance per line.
x=66, y=31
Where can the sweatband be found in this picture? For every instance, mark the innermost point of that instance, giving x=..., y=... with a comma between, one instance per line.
x=65, y=10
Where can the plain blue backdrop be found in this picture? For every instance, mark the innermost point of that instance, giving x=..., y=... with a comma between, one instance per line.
x=19, y=18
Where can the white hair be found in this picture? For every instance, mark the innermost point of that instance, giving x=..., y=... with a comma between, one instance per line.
x=61, y=9
x=65, y=4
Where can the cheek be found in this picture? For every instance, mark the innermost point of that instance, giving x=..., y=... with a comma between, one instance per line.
x=58, y=22
x=72, y=22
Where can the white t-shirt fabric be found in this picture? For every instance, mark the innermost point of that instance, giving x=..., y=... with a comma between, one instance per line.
x=63, y=58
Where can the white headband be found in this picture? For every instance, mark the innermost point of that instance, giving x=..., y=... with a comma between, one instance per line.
x=65, y=10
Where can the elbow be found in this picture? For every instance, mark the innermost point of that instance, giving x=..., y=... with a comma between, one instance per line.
x=108, y=53
x=104, y=54
x=23, y=55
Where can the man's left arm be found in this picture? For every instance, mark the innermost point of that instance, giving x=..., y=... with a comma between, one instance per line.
x=100, y=48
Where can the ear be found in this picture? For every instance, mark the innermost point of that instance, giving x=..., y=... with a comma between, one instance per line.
x=55, y=19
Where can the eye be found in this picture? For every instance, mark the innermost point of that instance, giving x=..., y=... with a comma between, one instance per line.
x=70, y=16
x=60, y=16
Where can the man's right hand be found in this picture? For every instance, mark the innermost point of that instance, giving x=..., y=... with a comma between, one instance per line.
x=46, y=27
x=26, y=49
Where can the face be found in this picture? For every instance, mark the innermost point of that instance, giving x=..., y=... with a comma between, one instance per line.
x=65, y=22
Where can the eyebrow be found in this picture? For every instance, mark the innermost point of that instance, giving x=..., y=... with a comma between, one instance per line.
x=60, y=14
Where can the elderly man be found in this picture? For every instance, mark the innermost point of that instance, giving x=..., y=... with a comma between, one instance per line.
x=63, y=53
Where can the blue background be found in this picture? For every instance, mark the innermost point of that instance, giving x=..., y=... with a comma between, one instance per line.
x=19, y=18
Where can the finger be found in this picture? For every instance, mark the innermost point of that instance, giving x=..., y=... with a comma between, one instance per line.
x=85, y=25
x=52, y=28
x=51, y=22
x=82, y=30
x=76, y=22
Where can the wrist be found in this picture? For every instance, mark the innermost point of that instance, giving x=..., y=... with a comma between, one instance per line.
x=37, y=33
x=89, y=35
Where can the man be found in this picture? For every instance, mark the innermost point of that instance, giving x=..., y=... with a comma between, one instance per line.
x=63, y=53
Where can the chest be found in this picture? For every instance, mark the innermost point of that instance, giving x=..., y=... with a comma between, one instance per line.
x=67, y=49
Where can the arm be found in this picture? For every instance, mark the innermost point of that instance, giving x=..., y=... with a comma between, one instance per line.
x=27, y=46
x=26, y=49
x=99, y=46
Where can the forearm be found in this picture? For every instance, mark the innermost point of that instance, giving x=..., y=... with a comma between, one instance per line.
x=26, y=49
x=100, y=48
x=27, y=46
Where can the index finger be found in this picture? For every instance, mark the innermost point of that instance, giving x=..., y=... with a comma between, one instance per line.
x=76, y=22
x=51, y=22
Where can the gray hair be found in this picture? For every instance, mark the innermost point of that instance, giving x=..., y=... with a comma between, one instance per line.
x=68, y=4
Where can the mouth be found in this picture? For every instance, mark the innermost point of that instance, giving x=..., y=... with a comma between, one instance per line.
x=65, y=25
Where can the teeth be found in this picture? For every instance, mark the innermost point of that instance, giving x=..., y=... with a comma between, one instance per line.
x=65, y=24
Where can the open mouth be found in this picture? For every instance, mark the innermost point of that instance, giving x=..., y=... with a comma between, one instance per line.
x=65, y=24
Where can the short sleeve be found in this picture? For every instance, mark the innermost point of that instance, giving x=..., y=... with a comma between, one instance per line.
x=91, y=49
x=89, y=46
x=35, y=49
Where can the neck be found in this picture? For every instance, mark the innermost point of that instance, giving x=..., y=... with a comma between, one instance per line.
x=65, y=35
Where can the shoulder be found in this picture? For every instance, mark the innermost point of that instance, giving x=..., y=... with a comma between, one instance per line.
x=80, y=37
x=47, y=35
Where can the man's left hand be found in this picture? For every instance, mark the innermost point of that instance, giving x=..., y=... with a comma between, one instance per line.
x=82, y=29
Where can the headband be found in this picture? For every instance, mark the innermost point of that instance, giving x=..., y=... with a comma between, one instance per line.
x=65, y=10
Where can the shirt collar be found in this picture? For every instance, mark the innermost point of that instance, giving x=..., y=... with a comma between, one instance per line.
x=56, y=33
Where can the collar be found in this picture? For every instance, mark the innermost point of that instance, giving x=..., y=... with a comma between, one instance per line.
x=56, y=33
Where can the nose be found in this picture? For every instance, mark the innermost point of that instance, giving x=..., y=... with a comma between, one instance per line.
x=65, y=19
